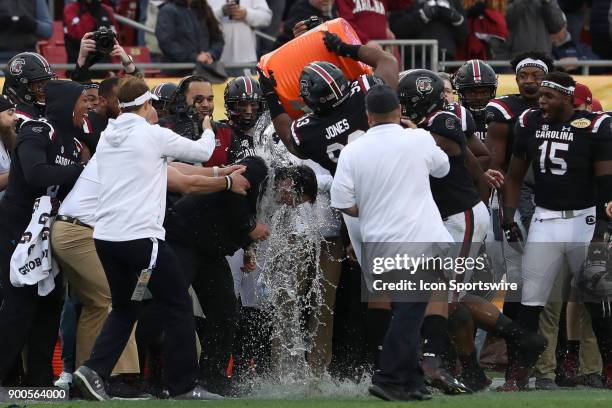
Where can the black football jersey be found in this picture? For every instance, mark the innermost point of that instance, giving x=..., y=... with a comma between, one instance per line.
x=241, y=146
x=506, y=109
x=321, y=138
x=455, y=192
x=468, y=124
x=562, y=156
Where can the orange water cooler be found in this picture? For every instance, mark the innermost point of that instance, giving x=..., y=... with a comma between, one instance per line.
x=288, y=61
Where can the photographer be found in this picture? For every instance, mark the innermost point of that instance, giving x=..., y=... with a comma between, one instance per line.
x=99, y=46
x=82, y=17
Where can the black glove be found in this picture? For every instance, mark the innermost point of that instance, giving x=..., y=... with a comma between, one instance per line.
x=268, y=85
x=6, y=22
x=514, y=236
x=448, y=14
x=428, y=12
x=334, y=44
x=26, y=24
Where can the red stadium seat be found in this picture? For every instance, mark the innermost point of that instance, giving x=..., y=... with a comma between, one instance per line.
x=55, y=54
x=142, y=55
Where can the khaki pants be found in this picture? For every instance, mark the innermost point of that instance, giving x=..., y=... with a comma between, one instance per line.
x=590, y=358
x=73, y=248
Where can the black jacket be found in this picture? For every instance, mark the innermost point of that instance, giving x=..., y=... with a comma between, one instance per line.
x=300, y=10
x=181, y=36
x=217, y=225
x=46, y=159
x=407, y=24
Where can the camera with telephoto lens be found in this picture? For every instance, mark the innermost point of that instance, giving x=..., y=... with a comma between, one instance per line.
x=312, y=22
x=105, y=40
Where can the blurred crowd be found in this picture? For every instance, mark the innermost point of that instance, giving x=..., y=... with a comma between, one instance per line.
x=216, y=34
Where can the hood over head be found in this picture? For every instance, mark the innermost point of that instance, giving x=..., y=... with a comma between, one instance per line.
x=61, y=96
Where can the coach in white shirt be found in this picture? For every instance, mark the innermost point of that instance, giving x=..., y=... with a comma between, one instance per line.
x=383, y=178
x=129, y=237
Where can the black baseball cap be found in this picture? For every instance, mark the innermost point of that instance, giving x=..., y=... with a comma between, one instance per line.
x=381, y=99
x=5, y=103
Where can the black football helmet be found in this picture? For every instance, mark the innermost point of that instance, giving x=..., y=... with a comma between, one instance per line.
x=475, y=74
x=420, y=92
x=21, y=72
x=323, y=86
x=243, y=89
x=165, y=94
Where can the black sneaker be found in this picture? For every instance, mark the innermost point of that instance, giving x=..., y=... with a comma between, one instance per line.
x=198, y=393
x=545, y=384
x=392, y=393
x=90, y=384
x=120, y=390
x=438, y=377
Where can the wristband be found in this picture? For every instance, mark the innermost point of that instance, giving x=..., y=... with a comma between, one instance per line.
x=216, y=171
x=228, y=183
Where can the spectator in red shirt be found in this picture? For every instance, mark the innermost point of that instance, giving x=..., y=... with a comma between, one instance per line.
x=367, y=17
x=82, y=17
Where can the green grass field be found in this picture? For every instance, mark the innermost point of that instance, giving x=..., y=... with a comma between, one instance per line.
x=535, y=399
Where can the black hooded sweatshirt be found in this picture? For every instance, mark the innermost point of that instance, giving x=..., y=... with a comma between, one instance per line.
x=46, y=160
x=217, y=225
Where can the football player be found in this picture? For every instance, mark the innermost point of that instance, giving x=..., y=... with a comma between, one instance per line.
x=570, y=153
x=26, y=75
x=244, y=104
x=165, y=93
x=501, y=115
x=337, y=105
x=421, y=94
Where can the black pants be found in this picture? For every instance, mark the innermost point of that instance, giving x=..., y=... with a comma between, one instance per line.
x=27, y=321
x=122, y=262
x=399, y=363
x=213, y=283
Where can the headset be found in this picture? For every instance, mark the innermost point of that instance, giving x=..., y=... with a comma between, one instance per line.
x=179, y=99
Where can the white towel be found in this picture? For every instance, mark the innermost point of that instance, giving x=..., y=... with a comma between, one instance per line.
x=32, y=262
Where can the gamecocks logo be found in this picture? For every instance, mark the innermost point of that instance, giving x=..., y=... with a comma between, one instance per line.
x=16, y=67
x=424, y=85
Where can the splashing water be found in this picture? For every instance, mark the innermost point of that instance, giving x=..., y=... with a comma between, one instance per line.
x=291, y=282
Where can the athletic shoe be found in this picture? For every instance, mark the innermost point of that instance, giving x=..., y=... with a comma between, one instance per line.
x=517, y=380
x=64, y=381
x=198, y=393
x=593, y=380
x=438, y=377
x=569, y=371
x=476, y=379
x=120, y=390
x=90, y=384
x=607, y=376
x=392, y=393
x=546, y=384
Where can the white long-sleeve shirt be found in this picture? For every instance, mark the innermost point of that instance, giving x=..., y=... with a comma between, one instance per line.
x=240, y=42
x=132, y=160
x=386, y=174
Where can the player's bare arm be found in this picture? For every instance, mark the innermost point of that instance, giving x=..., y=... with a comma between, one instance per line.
x=480, y=151
x=280, y=119
x=384, y=64
x=495, y=141
x=478, y=175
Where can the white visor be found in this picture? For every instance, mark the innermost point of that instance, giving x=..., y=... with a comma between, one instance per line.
x=140, y=100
